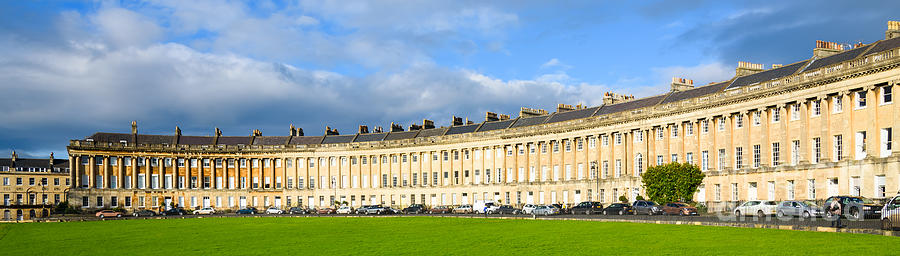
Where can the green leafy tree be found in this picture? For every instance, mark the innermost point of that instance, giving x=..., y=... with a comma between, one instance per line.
x=623, y=199
x=672, y=182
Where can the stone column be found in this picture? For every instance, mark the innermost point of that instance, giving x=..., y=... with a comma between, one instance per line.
x=134, y=172
x=92, y=168
x=74, y=162
x=147, y=171
x=120, y=176
x=160, y=179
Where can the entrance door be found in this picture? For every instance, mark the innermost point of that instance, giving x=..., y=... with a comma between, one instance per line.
x=243, y=202
x=530, y=198
x=832, y=187
x=278, y=202
x=168, y=202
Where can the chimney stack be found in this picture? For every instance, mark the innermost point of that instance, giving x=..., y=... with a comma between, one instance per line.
x=177, y=131
x=218, y=132
x=363, y=129
x=746, y=68
x=329, y=131
x=299, y=131
x=51, y=159
x=456, y=121
x=774, y=66
x=134, y=127
x=378, y=129
x=293, y=130
x=468, y=122
x=396, y=127
x=681, y=84
x=256, y=132
x=490, y=117
x=614, y=98
x=503, y=117
x=14, y=157
x=415, y=127
x=824, y=49
x=893, y=30
x=528, y=112
x=563, y=108
x=427, y=124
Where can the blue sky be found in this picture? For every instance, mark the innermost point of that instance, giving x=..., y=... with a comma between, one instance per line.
x=72, y=68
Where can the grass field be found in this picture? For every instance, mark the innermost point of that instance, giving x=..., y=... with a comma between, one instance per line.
x=417, y=235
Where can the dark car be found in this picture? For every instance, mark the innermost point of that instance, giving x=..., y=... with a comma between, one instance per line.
x=175, y=211
x=587, y=207
x=297, y=210
x=143, y=213
x=855, y=207
x=646, y=207
x=415, y=208
x=676, y=208
x=617, y=208
x=248, y=210
x=506, y=209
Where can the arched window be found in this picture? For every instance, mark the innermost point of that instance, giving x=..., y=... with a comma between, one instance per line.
x=639, y=164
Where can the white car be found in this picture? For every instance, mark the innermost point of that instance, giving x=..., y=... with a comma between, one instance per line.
x=206, y=210
x=890, y=214
x=760, y=208
x=528, y=208
x=344, y=210
x=274, y=210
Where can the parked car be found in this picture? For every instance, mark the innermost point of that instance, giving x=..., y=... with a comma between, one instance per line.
x=109, y=213
x=297, y=210
x=760, y=208
x=646, y=207
x=248, y=210
x=856, y=207
x=804, y=209
x=143, y=213
x=442, y=209
x=175, y=211
x=274, y=210
x=587, y=207
x=677, y=208
x=414, y=209
x=466, y=208
x=506, y=209
x=546, y=210
x=528, y=208
x=325, y=210
x=378, y=209
x=205, y=210
x=617, y=208
x=562, y=208
x=890, y=214
x=344, y=210
x=484, y=206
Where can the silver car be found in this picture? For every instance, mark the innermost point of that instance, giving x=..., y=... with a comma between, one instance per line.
x=890, y=214
x=805, y=209
x=545, y=210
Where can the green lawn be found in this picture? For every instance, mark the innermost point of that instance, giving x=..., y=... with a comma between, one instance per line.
x=417, y=235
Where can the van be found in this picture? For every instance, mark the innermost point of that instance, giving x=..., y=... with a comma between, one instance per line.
x=485, y=206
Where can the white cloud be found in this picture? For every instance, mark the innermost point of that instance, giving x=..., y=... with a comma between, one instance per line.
x=555, y=63
x=702, y=74
x=125, y=28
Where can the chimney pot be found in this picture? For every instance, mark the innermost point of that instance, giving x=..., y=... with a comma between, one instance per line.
x=893, y=30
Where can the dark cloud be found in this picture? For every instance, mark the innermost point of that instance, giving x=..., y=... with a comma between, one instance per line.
x=785, y=31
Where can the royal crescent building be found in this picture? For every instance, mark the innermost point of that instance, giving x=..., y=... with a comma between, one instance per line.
x=805, y=130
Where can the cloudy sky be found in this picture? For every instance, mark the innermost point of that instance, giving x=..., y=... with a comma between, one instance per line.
x=72, y=68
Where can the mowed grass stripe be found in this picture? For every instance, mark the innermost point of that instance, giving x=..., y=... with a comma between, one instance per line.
x=418, y=235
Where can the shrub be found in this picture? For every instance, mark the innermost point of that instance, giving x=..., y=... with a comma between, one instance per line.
x=672, y=182
x=623, y=199
x=639, y=197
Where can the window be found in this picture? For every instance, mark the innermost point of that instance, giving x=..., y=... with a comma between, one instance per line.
x=638, y=164
x=795, y=152
x=838, y=104
x=605, y=169
x=790, y=189
x=879, y=186
x=838, y=151
x=816, y=108
x=721, y=159
x=674, y=158
x=734, y=191
x=689, y=157
x=605, y=140
x=860, y=99
x=776, y=114
x=638, y=136
x=660, y=160
x=886, y=97
x=618, y=138
x=757, y=118
x=817, y=150
x=795, y=111
x=675, y=131
x=886, y=139
x=690, y=128
x=721, y=123
x=811, y=189
x=756, y=156
x=568, y=147
x=659, y=133
x=738, y=121
x=704, y=127
x=704, y=160
x=738, y=157
x=776, y=153
x=592, y=142
x=618, y=168
x=860, y=145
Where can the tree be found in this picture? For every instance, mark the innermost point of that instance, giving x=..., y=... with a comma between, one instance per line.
x=672, y=182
